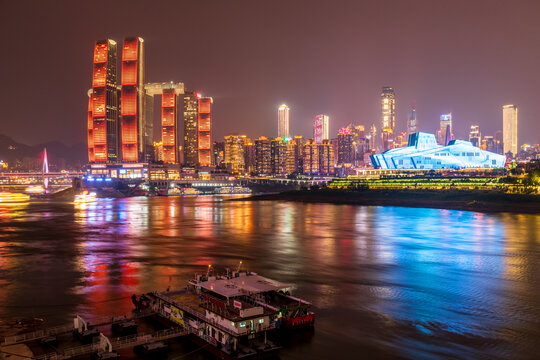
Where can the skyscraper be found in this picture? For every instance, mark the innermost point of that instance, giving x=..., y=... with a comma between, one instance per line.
x=311, y=157
x=412, y=120
x=510, y=124
x=171, y=103
x=320, y=128
x=445, y=132
x=326, y=158
x=234, y=152
x=263, y=156
x=133, y=120
x=103, y=105
x=475, y=137
x=191, y=139
x=205, y=131
x=169, y=127
x=388, y=117
x=278, y=151
x=283, y=121
x=388, y=108
x=345, y=146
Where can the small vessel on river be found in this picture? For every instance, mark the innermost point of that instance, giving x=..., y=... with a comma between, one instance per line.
x=7, y=197
x=231, y=314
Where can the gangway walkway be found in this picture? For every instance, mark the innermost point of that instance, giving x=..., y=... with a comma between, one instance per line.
x=118, y=343
x=62, y=329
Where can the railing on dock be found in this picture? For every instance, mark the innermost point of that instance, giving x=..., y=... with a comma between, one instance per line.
x=117, y=343
x=62, y=329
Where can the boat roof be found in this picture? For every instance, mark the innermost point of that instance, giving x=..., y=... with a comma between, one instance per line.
x=242, y=284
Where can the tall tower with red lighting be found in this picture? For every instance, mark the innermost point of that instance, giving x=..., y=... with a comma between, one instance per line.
x=132, y=100
x=169, y=126
x=103, y=105
x=205, y=131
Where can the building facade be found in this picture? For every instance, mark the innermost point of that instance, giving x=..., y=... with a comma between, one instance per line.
x=234, y=152
x=475, y=137
x=204, y=127
x=320, y=128
x=283, y=121
x=103, y=124
x=423, y=152
x=191, y=135
x=263, y=156
x=510, y=124
x=134, y=141
x=446, y=132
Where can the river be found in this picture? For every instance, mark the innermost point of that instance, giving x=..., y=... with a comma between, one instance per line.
x=386, y=282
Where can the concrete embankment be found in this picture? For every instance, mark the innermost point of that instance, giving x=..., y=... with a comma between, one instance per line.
x=481, y=201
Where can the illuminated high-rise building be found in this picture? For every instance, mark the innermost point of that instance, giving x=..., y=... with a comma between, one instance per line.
x=249, y=158
x=90, y=129
x=170, y=93
x=320, y=128
x=204, y=141
x=510, y=124
x=234, y=152
x=311, y=157
x=388, y=108
x=345, y=146
x=373, y=143
x=278, y=151
x=326, y=158
x=445, y=133
x=169, y=122
x=103, y=105
x=412, y=120
x=263, y=156
x=283, y=121
x=475, y=137
x=191, y=136
x=135, y=139
x=299, y=142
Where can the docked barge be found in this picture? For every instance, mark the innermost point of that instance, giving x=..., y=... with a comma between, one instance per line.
x=230, y=315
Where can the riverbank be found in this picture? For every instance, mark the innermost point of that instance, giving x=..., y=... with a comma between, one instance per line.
x=481, y=201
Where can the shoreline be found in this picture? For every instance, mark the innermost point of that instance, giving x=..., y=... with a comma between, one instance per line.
x=479, y=201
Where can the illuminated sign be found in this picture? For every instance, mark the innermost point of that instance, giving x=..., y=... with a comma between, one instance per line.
x=98, y=166
x=132, y=165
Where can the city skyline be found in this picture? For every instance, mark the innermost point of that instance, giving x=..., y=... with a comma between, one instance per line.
x=472, y=81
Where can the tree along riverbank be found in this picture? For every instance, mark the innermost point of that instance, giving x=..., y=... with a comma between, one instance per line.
x=470, y=200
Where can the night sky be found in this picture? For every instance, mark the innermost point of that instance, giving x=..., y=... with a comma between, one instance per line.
x=469, y=57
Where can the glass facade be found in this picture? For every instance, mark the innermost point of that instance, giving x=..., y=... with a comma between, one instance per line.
x=423, y=152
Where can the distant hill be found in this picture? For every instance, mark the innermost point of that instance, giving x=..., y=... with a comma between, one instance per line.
x=26, y=157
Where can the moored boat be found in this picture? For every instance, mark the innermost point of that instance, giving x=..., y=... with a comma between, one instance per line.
x=232, y=314
x=7, y=197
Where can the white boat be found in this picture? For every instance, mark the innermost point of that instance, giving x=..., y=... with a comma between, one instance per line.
x=234, y=190
x=7, y=197
x=191, y=191
x=85, y=197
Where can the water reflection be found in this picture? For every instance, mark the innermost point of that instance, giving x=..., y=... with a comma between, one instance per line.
x=391, y=281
